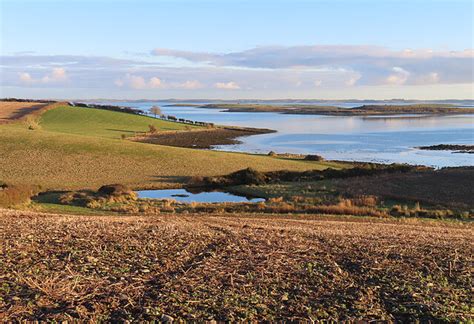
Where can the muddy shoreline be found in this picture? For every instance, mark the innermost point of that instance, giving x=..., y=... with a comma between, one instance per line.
x=201, y=139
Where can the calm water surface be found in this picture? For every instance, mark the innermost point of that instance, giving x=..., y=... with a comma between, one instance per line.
x=384, y=139
x=204, y=197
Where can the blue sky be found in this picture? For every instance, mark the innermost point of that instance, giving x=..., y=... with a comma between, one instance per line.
x=237, y=49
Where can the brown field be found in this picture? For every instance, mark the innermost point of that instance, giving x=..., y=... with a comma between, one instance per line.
x=12, y=110
x=229, y=267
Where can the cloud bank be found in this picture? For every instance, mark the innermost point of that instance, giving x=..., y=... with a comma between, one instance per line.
x=375, y=65
x=269, y=69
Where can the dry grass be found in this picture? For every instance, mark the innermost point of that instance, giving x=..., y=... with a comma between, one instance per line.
x=226, y=267
x=11, y=110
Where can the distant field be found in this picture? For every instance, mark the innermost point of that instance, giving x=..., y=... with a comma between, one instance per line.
x=233, y=267
x=11, y=110
x=57, y=157
x=101, y=123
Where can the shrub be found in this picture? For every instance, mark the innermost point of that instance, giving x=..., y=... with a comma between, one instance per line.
x=271, y=153
x=32, y=123
x=247, y=176
x=313, y=157
x=11, y=195
x=365, y=200
x=152, y=129
x=114, y=190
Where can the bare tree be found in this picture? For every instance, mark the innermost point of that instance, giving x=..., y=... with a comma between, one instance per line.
x=155, y=110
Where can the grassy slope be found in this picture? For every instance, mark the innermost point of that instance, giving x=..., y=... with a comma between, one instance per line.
x=70, y=161
x=101, y=123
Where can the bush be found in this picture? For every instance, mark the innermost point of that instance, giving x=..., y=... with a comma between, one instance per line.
x=313, y=157
x=365, y=200
x=152, y=129
x=114, y=190
x=32, y=123
x=11, y=195
x=247, y=176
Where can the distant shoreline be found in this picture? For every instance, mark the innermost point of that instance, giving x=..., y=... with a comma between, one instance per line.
x=364, y=110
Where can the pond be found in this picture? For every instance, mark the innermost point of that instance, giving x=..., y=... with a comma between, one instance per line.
x=185, y=196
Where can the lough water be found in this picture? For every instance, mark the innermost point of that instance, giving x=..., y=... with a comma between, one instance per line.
x=384, y=139
x=182, y=195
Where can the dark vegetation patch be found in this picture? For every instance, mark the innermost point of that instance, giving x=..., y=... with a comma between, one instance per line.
x=27, y=100
x=115, y=194
x=449, y=147
x=448, y=187
x=313, y=157
x=202, y=139
x=373, y=189
x=250, y=176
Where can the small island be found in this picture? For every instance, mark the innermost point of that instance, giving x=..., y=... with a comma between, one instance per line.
x=456, y=148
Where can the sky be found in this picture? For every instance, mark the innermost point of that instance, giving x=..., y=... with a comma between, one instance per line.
x=237, y=49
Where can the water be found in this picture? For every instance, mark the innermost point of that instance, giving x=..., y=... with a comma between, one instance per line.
x=182, y=195
x=384, y=139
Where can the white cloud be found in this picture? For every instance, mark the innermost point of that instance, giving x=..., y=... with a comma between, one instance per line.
x=138, y=82
x=56, y=75
x=59, y=74
x=227, y=85
x=352, y=80
x=317, y=83
x=190, y=85
x=25, y=77
x=155, y=83
x=398, y=77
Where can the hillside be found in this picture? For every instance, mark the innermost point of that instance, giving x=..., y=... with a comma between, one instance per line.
x=101, y=123
x=80, y=148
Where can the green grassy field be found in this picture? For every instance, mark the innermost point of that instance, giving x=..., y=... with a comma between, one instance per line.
x=57, y=157
x=101, y=123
